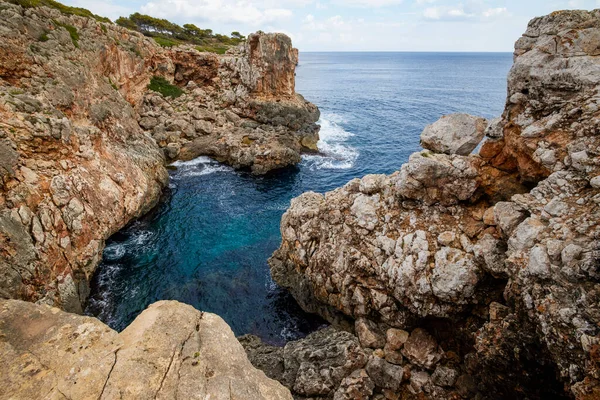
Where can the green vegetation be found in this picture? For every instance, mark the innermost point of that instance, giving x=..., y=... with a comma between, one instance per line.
x=72, y=31
x=168, y=34
x=82, y=12
x=43, y=37
x=165, y=42
x=211, y=49
x=162, y=86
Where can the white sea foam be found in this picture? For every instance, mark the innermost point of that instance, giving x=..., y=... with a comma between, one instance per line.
x=198, y=167
x=114, y=251
x=335, y=152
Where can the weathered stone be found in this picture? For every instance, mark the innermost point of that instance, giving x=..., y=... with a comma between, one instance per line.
x=422, y=349
x=356, y=386
x=369, y=334
x=454, y=134
x=384, y=374
x=170, y=350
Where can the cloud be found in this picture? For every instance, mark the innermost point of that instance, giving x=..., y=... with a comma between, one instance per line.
x=472, y=11
x=367, y=3
x=252, y=13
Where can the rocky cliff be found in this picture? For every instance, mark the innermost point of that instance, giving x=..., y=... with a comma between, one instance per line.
x=83, y=141
x=170, y=351
x=494, y=255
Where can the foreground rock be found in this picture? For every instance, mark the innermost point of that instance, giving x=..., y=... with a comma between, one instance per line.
x=170, y=351
x=495, y=255
x=76, y=164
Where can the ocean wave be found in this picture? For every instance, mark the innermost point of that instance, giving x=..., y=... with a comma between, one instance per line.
x=335, y=153
x=199, y=166
x=114, y=251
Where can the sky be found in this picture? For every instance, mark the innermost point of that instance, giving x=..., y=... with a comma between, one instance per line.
x=356, y=25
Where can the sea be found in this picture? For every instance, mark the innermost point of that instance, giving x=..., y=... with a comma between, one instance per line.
x=208, y=241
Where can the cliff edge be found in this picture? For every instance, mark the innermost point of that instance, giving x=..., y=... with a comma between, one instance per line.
x=494, y=255
x=170, y=351
x=90, y=112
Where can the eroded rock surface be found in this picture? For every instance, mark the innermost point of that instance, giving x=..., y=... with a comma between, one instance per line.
x=83, y=143
x=495, y=255
x=170, y=351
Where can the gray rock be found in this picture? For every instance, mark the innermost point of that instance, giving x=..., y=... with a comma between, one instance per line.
x=454, y=134
x=508, y=215
x=356, y=386
x=384, y=374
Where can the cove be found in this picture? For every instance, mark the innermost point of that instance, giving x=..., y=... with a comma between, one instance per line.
x=208, y=241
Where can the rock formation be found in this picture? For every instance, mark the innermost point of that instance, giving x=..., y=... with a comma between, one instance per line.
x=170, y=351
x=77, y=161
x=494, y=256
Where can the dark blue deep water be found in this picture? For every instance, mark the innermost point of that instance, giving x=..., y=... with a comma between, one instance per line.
x=208, y=242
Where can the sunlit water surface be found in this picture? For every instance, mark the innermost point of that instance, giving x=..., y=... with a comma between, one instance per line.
x=208, y=242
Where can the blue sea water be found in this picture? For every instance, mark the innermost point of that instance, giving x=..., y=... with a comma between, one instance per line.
x=208, y=242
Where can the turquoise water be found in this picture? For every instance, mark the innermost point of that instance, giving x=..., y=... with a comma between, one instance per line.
x=208, y=242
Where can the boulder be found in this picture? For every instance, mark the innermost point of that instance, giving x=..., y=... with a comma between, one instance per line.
x=454, y=134
x=170, y=350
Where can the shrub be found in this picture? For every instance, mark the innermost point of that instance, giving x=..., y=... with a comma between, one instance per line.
x=82, y=12
x=162, y=86
x=212, y=49
x=165, y=42
x=43, y=37
x=72, y=31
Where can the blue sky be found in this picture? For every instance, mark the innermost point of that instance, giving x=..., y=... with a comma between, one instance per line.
x=357, y=25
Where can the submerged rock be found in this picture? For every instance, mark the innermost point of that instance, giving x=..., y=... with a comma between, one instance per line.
x=170, y=351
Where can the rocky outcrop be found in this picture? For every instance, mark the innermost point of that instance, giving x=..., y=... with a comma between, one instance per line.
x=170, y=351
x=239, y=108
x=83, y=141
x=501, y=248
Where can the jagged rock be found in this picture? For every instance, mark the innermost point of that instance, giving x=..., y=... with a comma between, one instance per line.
x=369, y=334
x=444, y=376
x=72, y=140
x=385, y=374
x=313, y=366
x=422, y=349
x=438, y=178
x=170, y=350
x=356, y=386
x=454, y=134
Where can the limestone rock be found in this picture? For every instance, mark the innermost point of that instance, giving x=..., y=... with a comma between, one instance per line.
x=422, y=349
x=454, y=134
x=170, y=350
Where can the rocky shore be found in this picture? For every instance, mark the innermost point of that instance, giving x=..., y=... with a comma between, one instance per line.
x=463, y=275
x=84, y=141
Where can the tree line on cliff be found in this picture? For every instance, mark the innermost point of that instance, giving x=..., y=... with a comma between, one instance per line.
x=169, y=34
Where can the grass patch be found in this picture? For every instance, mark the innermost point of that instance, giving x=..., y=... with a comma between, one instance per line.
x=113, y=84
x=162, y=86
x=82, y=12
x=165, y=42
x=72, y=31
x=212, y=49
x=43, y=37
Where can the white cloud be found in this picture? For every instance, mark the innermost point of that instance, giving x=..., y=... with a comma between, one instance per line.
x=252, y=13
x=473, y=11
x=368, y=3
